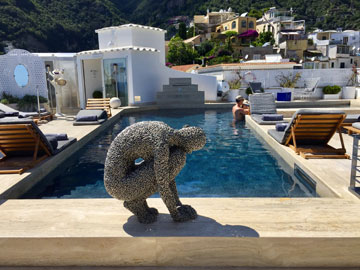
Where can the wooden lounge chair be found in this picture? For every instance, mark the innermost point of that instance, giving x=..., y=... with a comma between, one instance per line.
x=23, y=145
x=309, y=132
x=99, y=104
x=353, y=128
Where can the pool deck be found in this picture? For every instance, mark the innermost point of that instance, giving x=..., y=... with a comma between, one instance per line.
x=229, y=232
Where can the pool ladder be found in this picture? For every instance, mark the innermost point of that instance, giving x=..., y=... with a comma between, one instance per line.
x=355, y=168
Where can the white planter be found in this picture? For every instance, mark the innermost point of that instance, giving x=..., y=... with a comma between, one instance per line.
x=232, y=94
x=348, y=92
x=332, y=97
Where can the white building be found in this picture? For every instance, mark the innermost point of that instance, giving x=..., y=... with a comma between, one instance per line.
x=341, y=47
x=130, y=64
x=282, y=24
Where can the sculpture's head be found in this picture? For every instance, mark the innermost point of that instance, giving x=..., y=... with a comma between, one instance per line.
x=191, y=138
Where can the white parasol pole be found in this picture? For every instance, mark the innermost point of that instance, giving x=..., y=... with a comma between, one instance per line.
x=38, y=100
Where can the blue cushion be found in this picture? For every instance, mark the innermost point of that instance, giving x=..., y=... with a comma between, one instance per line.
x=87, y=118
x=281, y=126
x=11, y=113
x=272, y=117
x=52, y=140
x=59, y=136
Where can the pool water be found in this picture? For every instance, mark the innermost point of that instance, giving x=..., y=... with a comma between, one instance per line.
x=233, y=163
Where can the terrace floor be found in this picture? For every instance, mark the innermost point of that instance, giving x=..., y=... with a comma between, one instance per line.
x=229, y=232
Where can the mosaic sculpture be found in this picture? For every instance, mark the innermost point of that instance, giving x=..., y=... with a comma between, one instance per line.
x=163, y=152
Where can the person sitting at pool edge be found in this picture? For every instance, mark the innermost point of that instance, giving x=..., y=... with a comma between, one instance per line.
x=240, y=109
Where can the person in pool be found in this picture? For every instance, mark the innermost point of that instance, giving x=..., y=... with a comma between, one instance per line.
x=240, y=109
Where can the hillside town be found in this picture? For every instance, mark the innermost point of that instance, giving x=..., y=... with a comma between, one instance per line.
x=248, y=39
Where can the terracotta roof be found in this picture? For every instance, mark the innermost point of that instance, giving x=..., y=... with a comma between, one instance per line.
x=185, y=68
x=191, y=39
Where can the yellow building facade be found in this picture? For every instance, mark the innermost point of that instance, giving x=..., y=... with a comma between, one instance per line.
x=239, y=25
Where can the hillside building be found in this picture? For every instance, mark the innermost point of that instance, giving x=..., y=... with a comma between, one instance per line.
x=289, y=35
x=336, y=49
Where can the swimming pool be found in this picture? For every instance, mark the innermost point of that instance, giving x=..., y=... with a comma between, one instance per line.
x=233, y=163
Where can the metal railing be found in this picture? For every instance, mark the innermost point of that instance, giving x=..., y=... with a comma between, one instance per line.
x=354, y=178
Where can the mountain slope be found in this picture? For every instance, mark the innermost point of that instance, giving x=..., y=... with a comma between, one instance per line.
x=68, y=25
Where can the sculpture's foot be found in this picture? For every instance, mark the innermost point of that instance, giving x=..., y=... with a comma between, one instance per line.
x=185, y=213
x=153, y=211
x=147, y=218
x=140, y=209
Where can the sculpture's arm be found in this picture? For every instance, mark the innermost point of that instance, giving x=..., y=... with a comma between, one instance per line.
x=161, y=167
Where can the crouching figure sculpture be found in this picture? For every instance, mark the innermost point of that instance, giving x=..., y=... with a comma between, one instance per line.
x=163, y=151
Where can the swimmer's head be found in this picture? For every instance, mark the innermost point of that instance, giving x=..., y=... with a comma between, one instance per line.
x=191, y=138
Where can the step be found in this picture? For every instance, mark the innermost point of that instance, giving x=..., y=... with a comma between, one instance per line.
x=179, y=81
x=229, y=232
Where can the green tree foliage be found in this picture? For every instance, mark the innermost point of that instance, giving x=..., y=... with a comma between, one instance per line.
x=180, y=53
x=263, y=38
x=190, y=32
x=255, y=13
x=205, y=48
x=68, y=25
x=182, y=30
x=229, y=35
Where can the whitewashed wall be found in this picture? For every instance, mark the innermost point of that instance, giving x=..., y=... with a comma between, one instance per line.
x=268, y=78
x=149, y=76
x=36, y=70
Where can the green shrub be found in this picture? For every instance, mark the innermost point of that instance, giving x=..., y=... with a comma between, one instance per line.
x=29, y=103
x=10, y=98
x=5, y=101
x=331, y=90
x=97, y=94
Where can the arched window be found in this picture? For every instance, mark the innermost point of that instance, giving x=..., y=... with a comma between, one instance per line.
x=243, y=24
x=233, y=25
x=251, y=25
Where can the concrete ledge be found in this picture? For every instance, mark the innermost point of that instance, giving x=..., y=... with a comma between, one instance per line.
x=227, y=233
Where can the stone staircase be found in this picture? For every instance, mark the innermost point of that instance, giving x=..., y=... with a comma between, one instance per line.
x=181, y=92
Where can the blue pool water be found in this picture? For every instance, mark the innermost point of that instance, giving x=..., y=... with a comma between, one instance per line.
x=233, y=163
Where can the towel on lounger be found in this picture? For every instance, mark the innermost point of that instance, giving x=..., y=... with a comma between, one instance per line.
x=281, y=126
x=272, y=117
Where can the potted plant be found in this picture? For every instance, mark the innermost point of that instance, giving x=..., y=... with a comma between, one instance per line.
x=288, y=82
x=331, y=92
x=234, y=86
x=350, y=90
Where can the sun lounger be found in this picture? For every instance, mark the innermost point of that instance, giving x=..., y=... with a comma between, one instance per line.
x=263, y=109
x=23, y=145
x=309, y=132
x=353, y=128
x=255, y=87
x=10, y=112
x=99, y=104
x=90, y=117
x=350, y=119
